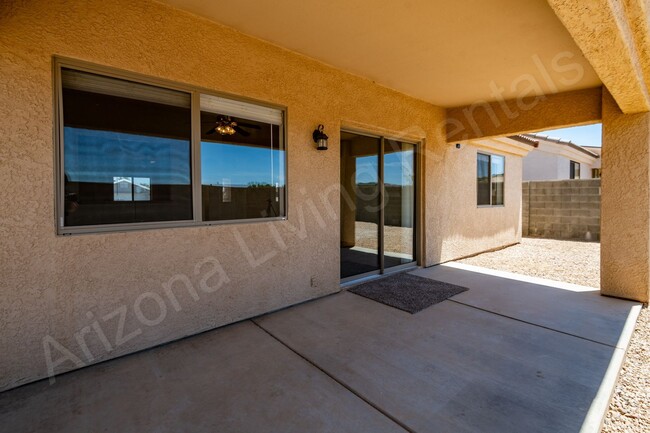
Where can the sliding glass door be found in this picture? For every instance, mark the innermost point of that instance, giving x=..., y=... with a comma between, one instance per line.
x=377, y=204
x=399, y=203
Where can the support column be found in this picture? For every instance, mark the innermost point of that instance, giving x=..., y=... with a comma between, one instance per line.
x=625, y=206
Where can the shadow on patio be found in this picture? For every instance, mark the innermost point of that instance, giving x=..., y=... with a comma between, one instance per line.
x=512, y=354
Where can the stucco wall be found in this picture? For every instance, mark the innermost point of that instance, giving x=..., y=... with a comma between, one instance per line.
x=77, y=289
x=544, y=163
x=541, y=166
x=456, y=226
x=625, y=206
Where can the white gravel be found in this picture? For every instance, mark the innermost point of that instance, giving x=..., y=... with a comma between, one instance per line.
x=568, y=261
x=578, y=263
x=629, y=410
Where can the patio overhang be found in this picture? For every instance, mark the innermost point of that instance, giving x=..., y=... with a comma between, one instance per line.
x=447, y=53
x=517, y=116
x=441, y=53
x=615, y=38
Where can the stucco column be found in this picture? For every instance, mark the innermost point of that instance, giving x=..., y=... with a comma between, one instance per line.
x=625, y=206
x=348, y=198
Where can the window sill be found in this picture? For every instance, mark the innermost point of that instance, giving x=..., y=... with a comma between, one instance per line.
x=133, y=227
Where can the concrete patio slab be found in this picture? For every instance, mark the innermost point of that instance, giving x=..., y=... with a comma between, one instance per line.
x=575, y=310
x=235, y=379
x=451, y=367
x=345, y=363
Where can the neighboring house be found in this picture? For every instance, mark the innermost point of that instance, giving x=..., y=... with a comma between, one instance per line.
x=596, y=168
x=161, y=176
x=557, y=159
x=131, y=189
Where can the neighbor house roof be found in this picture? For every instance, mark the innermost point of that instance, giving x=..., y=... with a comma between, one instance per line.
x=525, y=140
x=538, y=137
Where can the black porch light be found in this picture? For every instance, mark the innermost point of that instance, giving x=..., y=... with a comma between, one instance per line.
x=320, y=138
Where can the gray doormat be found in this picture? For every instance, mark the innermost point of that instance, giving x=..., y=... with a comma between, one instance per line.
x=407, y=292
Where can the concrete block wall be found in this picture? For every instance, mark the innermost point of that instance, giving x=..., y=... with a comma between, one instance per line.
x=564, y=209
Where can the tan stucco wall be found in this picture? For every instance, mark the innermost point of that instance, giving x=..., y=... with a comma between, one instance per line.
x=59, y=286
x=456, y=226
x=524, y=114
x=621, y=62
x=625, y=205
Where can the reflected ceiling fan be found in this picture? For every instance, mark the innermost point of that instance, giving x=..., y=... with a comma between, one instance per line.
x=226, y=126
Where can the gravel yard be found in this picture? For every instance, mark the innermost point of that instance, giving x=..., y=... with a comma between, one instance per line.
x=568, y=261
x=629, y=410
x=578, y=263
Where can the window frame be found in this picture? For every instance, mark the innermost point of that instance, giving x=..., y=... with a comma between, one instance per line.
x=572, y=170
x=490, y=155
x=59, y=63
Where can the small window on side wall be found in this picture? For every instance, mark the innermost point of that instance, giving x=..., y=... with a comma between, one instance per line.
x=490, y=180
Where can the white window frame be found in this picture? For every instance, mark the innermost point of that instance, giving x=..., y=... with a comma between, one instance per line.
x=195, y=150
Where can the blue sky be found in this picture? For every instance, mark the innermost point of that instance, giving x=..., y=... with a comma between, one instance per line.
x=99, y=156
x=398, y=168
x=589, y=135
x=235, y=165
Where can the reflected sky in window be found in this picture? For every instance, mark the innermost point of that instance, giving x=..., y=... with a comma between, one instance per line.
x=498, y=165
x=240, y=165
x=398, y=168
x=99, y=156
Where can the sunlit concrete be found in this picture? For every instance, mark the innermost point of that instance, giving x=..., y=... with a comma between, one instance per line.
x=568, y=308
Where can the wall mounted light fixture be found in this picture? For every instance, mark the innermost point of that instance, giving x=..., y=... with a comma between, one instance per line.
x=320, y=138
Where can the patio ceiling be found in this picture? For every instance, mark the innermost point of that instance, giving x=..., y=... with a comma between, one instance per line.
x=444, y=52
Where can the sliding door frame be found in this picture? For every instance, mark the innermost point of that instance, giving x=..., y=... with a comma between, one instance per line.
x=417, y=197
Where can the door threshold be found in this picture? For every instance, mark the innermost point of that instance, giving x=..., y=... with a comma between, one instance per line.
x=363, y=279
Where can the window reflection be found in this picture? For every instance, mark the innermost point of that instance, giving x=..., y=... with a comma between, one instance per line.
x=483, y=180
x=490, y=179
x=141, y=188
x=131, y=189
x=498, y=174
x=126, y=151
x=242, y=172
x=399, y=203
x=360, y=204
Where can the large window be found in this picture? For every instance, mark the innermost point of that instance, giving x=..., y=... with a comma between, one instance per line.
x=490, y=179
x=136, y=155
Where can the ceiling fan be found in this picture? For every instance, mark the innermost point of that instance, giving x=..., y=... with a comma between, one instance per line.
x=226, y=126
